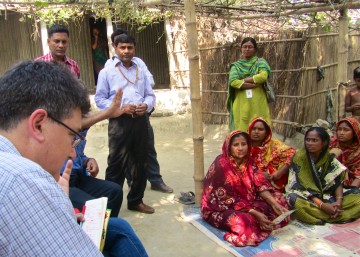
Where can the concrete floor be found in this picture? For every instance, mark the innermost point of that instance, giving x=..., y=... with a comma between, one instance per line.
x=164, y=233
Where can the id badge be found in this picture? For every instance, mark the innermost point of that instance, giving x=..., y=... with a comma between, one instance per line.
x=248, y=93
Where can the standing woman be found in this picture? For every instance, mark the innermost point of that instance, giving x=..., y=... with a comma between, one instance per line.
x=315, y=182
x=237, y=197
x=246, y=95
x=348, y=141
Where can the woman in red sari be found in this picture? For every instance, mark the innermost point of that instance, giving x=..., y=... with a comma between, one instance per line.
x=270, y=155
x=237, y=197
x=348, y=141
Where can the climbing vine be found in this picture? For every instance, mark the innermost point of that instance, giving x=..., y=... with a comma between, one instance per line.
x=284, y=13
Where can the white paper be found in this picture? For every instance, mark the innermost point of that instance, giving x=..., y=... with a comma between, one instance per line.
x=94, y=219
x=282, y=217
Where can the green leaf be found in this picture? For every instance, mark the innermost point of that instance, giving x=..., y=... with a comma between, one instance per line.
x=39, y=4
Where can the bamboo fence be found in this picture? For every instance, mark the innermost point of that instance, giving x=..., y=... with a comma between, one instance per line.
x=294, y=57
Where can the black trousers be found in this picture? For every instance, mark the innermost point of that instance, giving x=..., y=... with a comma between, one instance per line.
x=153, y=166
x=128, y=144
x=84, y=188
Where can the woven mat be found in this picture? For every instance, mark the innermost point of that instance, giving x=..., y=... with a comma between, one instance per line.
x=295, y=239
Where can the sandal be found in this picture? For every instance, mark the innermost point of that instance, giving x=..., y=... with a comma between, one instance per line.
x=186, y=198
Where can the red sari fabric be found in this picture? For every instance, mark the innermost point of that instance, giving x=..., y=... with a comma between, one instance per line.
x=230, y=192
x=272, y=155
x=350, y=155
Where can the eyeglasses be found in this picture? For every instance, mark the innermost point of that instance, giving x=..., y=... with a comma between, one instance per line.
x=247, y=47
x=77, y=139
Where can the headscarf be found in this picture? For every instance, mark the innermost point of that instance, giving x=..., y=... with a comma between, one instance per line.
x=224, y=176
x=272, y=155
x=350, y=156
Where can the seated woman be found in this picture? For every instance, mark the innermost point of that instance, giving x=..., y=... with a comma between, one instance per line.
x=347, y=139
x=315, y=188
x=238, y=198
x=270, y=155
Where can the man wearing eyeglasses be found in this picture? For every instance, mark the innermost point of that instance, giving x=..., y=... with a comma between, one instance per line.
x=37, y=218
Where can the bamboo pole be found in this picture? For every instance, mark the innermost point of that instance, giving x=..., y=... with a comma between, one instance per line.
x=343, y=52
x=198, y=137
x=352, y=5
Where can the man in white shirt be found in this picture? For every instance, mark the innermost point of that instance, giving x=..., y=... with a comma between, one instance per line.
x=128, y=135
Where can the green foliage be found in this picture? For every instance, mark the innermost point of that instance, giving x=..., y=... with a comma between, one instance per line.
x=64, y=11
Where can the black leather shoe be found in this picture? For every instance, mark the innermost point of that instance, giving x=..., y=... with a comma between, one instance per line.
x=142, y=208
x=162, y=187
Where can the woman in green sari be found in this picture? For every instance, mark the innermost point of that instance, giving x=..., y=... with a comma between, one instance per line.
x=315, y=188
x=246, y=95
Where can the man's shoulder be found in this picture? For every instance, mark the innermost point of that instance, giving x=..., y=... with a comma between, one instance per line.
x=138, y=61
x=72, y=61
x=17, y=168
x=46, y=57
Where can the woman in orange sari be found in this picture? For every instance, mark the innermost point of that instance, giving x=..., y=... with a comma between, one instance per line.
x=271, y=155
x=237, y=197
x=347, y=139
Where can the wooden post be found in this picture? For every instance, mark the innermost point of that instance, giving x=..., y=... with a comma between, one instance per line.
x=342, y=67
x=44, y=37
x=198, y=137
x=109, y=31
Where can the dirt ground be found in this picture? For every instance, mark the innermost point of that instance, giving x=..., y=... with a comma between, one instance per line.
x=164, y=233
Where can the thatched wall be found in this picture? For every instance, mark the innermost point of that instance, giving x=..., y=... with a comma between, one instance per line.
x=293, y=57
x=18, y=41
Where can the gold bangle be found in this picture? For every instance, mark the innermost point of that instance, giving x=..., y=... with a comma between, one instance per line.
x=321, y=205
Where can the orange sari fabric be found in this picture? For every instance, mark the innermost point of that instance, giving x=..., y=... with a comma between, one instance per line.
x=350, y=156
x=272, y=155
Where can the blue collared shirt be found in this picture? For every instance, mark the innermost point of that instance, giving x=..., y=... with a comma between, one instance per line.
x=36, y=216
x=137, y=91
x=141, y=65
x=80, y=159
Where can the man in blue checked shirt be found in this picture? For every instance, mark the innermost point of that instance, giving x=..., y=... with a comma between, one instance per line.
x=41, y=110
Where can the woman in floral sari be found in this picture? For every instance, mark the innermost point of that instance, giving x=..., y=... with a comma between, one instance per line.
x=348, y=141
x=270, y=155
x=246, y=95
x=315, y=181
x=237, y=198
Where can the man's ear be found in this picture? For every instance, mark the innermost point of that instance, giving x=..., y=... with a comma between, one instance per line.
x=36, y=123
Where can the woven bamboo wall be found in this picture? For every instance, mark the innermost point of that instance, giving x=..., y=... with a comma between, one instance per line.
x=293, y=57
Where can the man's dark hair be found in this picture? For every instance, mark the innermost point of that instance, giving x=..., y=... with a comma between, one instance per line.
x=117, y=32
x=32, y=85
x=124, y=39
x=57, y=28
x=357, y=73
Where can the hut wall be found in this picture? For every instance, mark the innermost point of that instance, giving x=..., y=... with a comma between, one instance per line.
x=80, y=50
x=151, y=48
x=293, y=56
x=18, y=41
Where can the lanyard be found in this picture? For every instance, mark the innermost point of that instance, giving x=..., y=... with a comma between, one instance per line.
x=137, y=75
